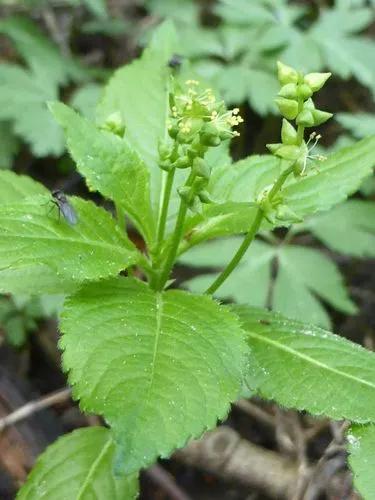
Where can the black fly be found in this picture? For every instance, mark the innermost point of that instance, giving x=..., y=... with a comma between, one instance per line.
x=65, y=208
x=175, y=61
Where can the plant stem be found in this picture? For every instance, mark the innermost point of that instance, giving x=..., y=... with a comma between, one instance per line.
x=164, y=208
x=177, y=236
x=254, y=228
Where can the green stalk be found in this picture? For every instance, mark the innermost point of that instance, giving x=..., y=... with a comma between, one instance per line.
x=164, y=208
x=177, y=237
x=249, y=238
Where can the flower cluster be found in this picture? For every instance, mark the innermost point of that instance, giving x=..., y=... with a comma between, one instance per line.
x=295, y=103
x=197, y=121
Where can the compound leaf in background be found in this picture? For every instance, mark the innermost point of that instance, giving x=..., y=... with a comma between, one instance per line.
x=23, y=98
x=109, y=165
x=41, y=253
x=139, y=91
x=303, y=274
x=361, y=445
x=304, y=367
x=79, y=465
x=183, y=353
x=41, y=55
x=302, y=277
x=348, y=228
x=359, y=124
x=86, y=98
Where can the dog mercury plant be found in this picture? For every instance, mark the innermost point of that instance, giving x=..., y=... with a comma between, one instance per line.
x=162, y=365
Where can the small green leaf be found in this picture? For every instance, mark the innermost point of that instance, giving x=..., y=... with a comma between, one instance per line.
x=79, y=466
x=15, y=188
x=183, y=353
x=348, y=228
x=110, y=166
x=42, y=253
x=361, y=441
x=304, y=367
x=139, y=91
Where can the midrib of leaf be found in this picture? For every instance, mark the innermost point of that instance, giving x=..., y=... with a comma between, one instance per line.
x=310, y=360
x=92, y=470
x=64, y=239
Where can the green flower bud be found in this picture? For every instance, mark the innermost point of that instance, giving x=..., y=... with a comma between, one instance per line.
x=201, y=168
x=173, y=131
x=284, y=213
x=290, y=153
x=199, y=184
x=288, y=107
x=288, y=133
x=164, y=150
x=182, y=162
x=185, y=194
x=286, y=74
x=114, y=124
x=210, y=135
x=211, y=141
x=298, y=167
x=166, y=165
x=305, y=118
x=320, y=116
x=316, y=80
x=309, y=104
x=304, y=91
x=205, y=197
x=289, y=91
x=273, y=148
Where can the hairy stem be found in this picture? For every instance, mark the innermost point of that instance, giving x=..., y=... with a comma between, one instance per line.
x=249, y=237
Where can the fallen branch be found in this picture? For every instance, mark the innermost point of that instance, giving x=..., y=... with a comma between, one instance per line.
x=224, y=453
x=32, y=407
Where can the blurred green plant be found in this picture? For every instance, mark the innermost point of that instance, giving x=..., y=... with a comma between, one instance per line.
x=238, y=53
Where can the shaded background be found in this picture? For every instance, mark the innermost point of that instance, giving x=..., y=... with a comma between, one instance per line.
x=67, y=50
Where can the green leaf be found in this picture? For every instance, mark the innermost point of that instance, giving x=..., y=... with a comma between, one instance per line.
x=41, y=55
x=338, y=177
x=361, y=440
x=348, y=228
x=139, y=91
x=23, y=98
x=15, y=188
x=79, y=466
x=8, y=145
x=303, y=273
x=42, y=253
x=304, y=367
x=110, y=166
x=301, y=278
x=359, y=124
x=86, y=98
x=183, y=353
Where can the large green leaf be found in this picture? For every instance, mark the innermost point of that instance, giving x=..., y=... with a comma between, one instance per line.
x=160, y=367
x=15, y=188
x=42, y=253
x=109, y=166
x=348, y=228
x=235, y=187
x=301, y=276
x=360, y=124
x=139, y=91
x=361, y=440
x=307, y=368
x=79, y=466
